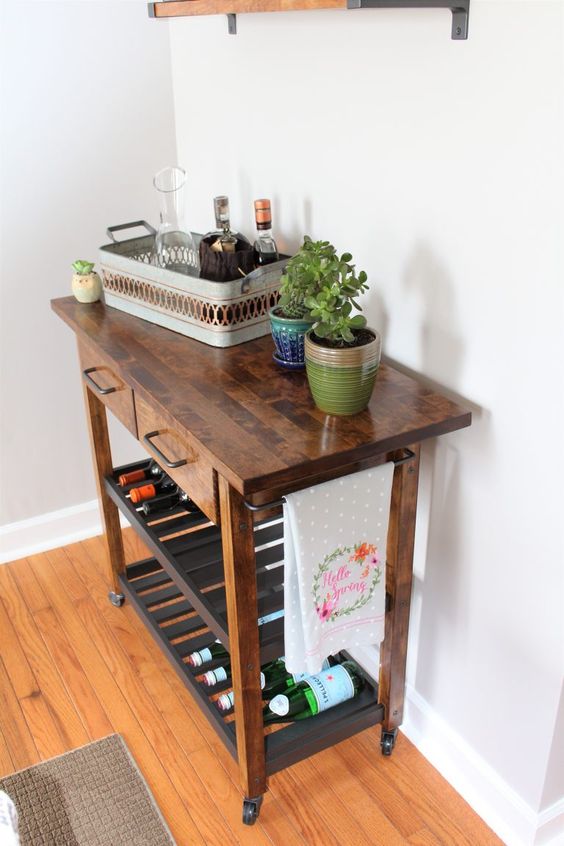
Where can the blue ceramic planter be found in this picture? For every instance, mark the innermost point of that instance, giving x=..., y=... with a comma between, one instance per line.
x=288, y=335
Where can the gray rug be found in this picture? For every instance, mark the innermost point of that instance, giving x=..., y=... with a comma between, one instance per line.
x=93, y=796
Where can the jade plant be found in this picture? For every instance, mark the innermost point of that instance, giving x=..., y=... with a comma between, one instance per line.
x=304, y=276
x=331, y=306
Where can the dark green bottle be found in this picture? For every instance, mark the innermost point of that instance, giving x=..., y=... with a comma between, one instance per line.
x=315, y=694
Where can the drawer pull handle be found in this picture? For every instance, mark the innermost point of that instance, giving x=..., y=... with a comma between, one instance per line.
x=86, y=373
x=148, y=442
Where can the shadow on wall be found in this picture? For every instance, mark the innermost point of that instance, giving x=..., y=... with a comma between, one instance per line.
x=441, y=349
x=442, y=583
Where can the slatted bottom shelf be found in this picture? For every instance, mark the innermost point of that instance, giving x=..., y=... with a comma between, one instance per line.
x=179, y=631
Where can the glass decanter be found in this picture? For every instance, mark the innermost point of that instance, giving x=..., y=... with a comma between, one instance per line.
x=174, y=245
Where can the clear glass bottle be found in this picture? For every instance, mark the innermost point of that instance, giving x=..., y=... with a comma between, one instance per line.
x=226, y=237
x=174, y=244
x=265, y=246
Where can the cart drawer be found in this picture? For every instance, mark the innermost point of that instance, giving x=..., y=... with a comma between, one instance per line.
x=171, y=446
x=101, y=374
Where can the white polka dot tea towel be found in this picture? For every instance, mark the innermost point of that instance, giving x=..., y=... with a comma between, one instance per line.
x=334, y=566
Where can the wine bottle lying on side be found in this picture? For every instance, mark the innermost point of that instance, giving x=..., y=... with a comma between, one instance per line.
x=161, y=505
x=274, y=678
x=217, y=650
x=315, y=694
x=151, y=471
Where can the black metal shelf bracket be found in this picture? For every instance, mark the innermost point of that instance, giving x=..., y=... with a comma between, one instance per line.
x=460, y=10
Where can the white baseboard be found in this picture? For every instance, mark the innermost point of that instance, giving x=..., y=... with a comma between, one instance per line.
x=48, y=531
x=510, y=817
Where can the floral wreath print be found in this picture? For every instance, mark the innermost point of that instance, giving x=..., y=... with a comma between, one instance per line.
x=363, y=554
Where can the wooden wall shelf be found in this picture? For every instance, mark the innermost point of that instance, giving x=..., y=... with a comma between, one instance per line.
x=179, y=8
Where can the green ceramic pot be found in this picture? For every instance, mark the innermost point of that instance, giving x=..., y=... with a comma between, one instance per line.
x=341, y=380
x=288, y=335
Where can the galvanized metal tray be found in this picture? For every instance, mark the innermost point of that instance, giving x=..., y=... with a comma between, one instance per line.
x=221, y=314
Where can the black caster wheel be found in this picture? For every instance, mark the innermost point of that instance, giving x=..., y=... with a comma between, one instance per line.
x=116, y=599
x=387, y=741
x=251, y=810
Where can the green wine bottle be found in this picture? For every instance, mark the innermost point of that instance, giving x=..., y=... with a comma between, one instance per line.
x=274, y=678
x=315, y=694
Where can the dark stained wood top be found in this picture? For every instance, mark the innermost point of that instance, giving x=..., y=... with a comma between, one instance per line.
x=255, y=422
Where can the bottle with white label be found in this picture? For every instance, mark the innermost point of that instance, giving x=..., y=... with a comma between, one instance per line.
x=315, y=694
x=217, y=650
x=274, y=678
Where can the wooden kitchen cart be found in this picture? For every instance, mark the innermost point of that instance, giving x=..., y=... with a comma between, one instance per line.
x=235, y=432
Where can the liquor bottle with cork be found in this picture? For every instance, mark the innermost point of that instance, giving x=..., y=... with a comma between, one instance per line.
x=274, y=679
x=151, y=471
x=266, y=251
x=315, y=694
x=225, y=240
x=164, y=485
x=161, y=505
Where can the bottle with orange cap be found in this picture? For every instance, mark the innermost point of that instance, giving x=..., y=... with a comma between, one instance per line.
x=151, y=471
x=266, y=250
x=164, y=485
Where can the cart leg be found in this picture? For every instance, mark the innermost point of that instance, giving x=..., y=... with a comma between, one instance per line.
x=399, y=573
x=242, y=614
x=102, y=457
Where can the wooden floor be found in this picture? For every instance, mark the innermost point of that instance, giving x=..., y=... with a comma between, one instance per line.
x=73, y=669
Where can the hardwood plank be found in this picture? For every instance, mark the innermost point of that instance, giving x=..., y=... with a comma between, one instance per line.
x=298, y=807
x=19, y=741
x=330, y=769
x=424, y=838
x=42, y=726
x=413, y=767
x=6, y=762
x=67, y=723
x=117, y=707
x=61, y=562
x=325, y=800
x=228, y=797
x=172, y=709
x=28, y=585
x=80, y=690
x=374, y=779
x=15, y=661
x=428, y=805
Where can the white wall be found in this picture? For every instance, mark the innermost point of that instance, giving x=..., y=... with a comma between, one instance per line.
x=87, y=119
x=438, y=164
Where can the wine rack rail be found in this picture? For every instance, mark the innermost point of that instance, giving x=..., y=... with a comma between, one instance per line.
x=180, y=595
